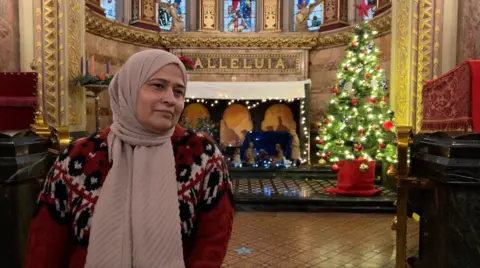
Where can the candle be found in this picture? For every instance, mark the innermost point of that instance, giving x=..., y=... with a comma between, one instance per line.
x=86, y=67
x=93, y=65
x=108, y=67
x=81, y=65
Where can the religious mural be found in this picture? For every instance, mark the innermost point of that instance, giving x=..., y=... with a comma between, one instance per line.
x=171, y=14
x=240, y=15
x=314, y=12
x=110, y=8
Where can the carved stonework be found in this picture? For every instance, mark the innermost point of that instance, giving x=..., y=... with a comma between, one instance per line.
x=247, y=62
x=101, y=26
x=209, y=16
x=271, y=18
x=95, y=6
x=335, y=14
x=144, y=14
x=382, y=6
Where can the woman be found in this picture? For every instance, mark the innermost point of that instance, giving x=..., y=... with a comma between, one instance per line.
x=113, y=199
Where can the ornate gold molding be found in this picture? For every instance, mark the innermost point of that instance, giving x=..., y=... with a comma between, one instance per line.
x=99, y=25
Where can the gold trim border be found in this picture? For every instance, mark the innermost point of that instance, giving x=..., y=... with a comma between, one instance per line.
x=101, y=26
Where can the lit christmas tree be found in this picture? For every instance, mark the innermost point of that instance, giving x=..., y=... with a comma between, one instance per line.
x=358, y=123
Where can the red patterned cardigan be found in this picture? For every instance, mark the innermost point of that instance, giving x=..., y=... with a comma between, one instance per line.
x=60, y=231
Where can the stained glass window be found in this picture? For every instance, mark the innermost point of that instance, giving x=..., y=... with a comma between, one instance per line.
x=316, y=16
x=164, y=17
x=240, y=15
x=109, y=6
x=371, y=10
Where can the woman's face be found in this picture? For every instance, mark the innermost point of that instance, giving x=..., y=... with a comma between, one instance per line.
x=161, y=100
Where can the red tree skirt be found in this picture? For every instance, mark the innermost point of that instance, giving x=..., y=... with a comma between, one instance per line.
x=352, y=181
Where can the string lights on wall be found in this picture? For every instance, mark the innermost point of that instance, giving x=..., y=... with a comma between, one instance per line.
x=251, y=104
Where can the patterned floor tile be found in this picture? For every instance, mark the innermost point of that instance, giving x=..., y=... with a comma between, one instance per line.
x=315, y=240
x=295, y=188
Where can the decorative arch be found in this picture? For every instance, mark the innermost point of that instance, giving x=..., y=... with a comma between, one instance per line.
x=235, y=125
x=240, y=15
x=278, y=117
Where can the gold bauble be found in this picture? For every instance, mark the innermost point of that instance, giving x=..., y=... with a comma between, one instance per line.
x=322, y=162
x=363, y=167
x=392, y=171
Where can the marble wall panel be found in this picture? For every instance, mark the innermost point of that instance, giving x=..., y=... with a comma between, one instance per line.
x=9, y=36
x=468, y=30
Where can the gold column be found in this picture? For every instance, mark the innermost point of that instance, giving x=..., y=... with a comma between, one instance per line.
x=270, y=16
x=59, y=42
x=144, y=14
x=209, y=16
x=416, y=32
x=335, y=14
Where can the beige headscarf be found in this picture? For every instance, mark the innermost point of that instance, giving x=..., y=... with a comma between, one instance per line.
x=136, y=222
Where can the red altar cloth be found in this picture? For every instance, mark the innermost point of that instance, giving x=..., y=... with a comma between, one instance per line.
x=17, y=100
x=354, y=182
x=452, y=101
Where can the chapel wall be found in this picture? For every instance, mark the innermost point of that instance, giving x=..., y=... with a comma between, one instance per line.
x=321, y=67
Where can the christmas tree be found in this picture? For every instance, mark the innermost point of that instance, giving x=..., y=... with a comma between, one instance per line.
x=358, y=123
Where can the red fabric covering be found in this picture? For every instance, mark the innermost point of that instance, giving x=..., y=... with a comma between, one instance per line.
x=449, y=100
x=475, y=69
x=17, y=100
x=354, y=182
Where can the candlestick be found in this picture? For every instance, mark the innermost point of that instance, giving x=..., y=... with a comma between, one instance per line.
x=81, y=65
x=108, y=67
x=93, y=65
x=86, y=67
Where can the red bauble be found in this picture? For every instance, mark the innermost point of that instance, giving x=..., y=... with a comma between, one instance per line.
x=329, y=154
x=361, y=158
x=358, y=147
x=320, y=141
x=377, y=68
x=354, y=44
x=388, y=125
x=372, y=100
x=384, y=99
x=345, y=67
x=361, y=133
x=335, y=168
x=364, y=52
x=328, y=121
x=382, y=145
x=366, y=76
x=336, y=91
x=354, y=102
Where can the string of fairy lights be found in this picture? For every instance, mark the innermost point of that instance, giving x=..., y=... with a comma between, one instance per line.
x=252, y=104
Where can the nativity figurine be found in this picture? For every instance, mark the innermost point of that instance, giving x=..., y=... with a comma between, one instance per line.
x=250, y=154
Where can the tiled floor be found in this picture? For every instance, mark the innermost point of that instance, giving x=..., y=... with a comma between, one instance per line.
x=296, y=188
x=329, y=240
